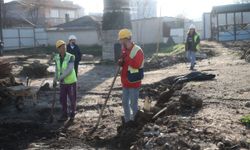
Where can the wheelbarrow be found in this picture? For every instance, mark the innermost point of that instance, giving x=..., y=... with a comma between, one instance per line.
x=21, y=92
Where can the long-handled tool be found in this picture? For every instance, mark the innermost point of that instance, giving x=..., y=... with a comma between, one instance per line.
x=51, y=118
x=106, y=100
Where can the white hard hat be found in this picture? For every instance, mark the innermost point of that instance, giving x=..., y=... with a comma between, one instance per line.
x=72, y=37
x=192, y=26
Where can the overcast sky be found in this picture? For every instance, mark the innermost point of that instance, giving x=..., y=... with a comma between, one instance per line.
x=192, y=9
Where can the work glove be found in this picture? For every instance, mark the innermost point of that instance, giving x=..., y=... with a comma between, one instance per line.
x=121, y=62
x=61, y=81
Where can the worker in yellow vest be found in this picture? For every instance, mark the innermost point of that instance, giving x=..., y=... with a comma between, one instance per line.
x=192, y=45
x=66, y=76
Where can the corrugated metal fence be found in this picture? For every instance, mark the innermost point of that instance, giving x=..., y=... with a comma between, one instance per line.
x=16, y=38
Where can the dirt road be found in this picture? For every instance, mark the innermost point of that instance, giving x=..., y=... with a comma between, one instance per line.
x=224, y=103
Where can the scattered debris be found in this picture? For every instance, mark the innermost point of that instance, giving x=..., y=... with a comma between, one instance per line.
x=177, y=115
x=35, y=70
x=86, y=57
x=240, y=46
x=45, y=87
x=7, y=81
x=165, y=60
x=5, y=68
x=191, y=101
x=247, y=104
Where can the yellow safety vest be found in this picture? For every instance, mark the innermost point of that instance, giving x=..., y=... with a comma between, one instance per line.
x=196, y=36
x=71, y=78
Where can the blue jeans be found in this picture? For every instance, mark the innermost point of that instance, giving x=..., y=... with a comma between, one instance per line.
x=130, y=98
x=191, y=57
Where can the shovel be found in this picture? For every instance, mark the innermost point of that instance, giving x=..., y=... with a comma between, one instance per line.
x=51, y=118
x=106, y=100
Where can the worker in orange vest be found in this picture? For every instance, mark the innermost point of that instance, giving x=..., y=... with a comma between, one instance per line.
x=131, y=61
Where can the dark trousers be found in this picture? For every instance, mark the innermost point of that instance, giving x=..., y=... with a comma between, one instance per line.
x=68, y=90
x=76, y=68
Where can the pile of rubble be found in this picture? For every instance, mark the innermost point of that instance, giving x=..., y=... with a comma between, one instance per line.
x=169, y=60
x=242, y=46
x=170, y=123
x=170, y=104
x=35, y=70
x=5, y=68
x=163, y=61
x=6, y=80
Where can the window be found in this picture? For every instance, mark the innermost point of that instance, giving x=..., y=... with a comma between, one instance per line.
x=230, y=18
x=54, y=13
x=246, y=17
x=166, y=30
x=71, y=13
x=222, y=19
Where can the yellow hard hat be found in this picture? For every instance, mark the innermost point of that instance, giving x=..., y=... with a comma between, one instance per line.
x=124, y=33
x=59, y=43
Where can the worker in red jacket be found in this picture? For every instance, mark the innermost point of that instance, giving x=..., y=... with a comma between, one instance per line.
x=131, y=61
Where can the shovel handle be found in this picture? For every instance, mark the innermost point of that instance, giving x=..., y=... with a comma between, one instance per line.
x=107, y=98
x=53, y=102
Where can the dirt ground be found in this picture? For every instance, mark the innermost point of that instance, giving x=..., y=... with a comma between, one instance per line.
x=215, y=126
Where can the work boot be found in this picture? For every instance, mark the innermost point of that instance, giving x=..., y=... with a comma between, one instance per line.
x=63, y=118
x=123, y=120
x=130, y=124
x=191, y=67
x=72, y=116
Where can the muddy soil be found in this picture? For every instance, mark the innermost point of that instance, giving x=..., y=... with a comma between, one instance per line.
x=215, y=125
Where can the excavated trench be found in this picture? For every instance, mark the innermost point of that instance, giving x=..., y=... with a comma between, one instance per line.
x=171, y=124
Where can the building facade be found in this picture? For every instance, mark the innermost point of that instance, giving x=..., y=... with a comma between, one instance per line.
x=40, y=13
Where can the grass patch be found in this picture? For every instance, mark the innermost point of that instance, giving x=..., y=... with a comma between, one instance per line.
x=245, y=120
x=150, y=49
x=173, y=50
x=95, y=50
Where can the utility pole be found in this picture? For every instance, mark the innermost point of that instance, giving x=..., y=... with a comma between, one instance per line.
x=1, y=27
x=1, y=19
x=159, y=35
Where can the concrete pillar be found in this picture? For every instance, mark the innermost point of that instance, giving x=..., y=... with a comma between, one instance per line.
x=116, y=16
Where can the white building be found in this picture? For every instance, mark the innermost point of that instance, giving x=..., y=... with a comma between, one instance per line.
x=143, y=9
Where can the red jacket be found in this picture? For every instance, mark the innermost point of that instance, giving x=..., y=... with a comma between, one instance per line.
x=136, y=62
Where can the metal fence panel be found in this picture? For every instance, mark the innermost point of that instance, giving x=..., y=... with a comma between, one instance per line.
x=41, y=37
x=16, y=38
